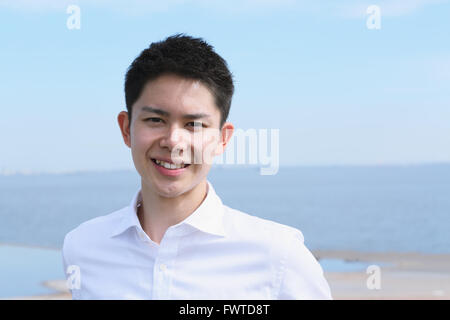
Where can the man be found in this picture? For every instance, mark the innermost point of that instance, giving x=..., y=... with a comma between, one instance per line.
x=176, y=240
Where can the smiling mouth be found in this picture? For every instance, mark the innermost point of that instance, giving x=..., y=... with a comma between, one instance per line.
x=170, y=166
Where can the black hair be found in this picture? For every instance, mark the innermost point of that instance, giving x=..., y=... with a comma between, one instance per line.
x=184, y=56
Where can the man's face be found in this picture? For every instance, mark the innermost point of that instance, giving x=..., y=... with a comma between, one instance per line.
x=175, y=119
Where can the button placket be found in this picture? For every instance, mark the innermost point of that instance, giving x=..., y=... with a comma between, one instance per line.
x=161, y=271
x=162, y=267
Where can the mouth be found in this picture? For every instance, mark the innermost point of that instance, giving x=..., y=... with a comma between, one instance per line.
x=168, y=165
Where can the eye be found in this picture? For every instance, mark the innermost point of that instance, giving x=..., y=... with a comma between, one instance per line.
x=196, y=124
x=153, y=120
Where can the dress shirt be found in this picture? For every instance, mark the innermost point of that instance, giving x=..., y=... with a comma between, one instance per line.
x=215, y=253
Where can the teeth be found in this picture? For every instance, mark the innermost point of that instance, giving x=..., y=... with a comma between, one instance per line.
x=169, y=165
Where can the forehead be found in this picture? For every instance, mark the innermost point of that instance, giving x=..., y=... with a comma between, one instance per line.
x=176, y=94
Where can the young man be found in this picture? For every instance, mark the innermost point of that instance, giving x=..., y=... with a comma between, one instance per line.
x=176, y=240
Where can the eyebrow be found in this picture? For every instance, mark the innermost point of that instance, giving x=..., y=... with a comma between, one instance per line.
x=161, y=112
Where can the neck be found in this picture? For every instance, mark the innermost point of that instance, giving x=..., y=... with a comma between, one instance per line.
x=157, y=213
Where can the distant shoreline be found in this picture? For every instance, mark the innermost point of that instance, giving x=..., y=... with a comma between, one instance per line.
x=29, y=172
x=24, y=245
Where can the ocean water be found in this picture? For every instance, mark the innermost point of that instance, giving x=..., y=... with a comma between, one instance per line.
x=372, y=209
x=346, y=208
x=23, y=270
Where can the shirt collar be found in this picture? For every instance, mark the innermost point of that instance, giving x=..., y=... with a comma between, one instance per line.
x=208, y=217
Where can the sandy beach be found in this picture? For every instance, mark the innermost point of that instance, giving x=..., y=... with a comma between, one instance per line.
x=402, y=276
x=406, y=276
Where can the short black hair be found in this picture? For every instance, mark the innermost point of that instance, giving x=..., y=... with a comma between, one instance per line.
x=184, y=56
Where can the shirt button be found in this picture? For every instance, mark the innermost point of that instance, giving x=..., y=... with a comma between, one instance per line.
x=162, y=267
x=142, y=236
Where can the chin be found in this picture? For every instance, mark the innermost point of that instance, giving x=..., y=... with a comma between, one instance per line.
x=170, y=189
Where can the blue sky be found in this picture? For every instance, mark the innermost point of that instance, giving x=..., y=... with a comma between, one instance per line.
x=339, y=93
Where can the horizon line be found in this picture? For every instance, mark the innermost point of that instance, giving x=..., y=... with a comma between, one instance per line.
x=26, y=172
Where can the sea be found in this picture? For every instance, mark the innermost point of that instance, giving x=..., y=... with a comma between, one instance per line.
x=401, y=208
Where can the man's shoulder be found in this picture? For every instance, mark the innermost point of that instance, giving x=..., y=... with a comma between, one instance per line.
x=246, y=223
x=95, y=228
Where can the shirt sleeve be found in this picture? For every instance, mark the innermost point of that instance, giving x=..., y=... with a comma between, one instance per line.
x=302, y=276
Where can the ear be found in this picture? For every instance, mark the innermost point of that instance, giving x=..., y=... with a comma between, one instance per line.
x=124, y=124
x=226, y=133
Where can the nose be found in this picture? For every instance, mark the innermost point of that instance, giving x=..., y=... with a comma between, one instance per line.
x=174, y=139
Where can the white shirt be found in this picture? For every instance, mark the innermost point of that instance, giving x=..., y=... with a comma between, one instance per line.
x=215, y=253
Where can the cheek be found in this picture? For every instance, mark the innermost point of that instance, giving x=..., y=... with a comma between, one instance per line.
x=209, y=147
x=141, y=140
